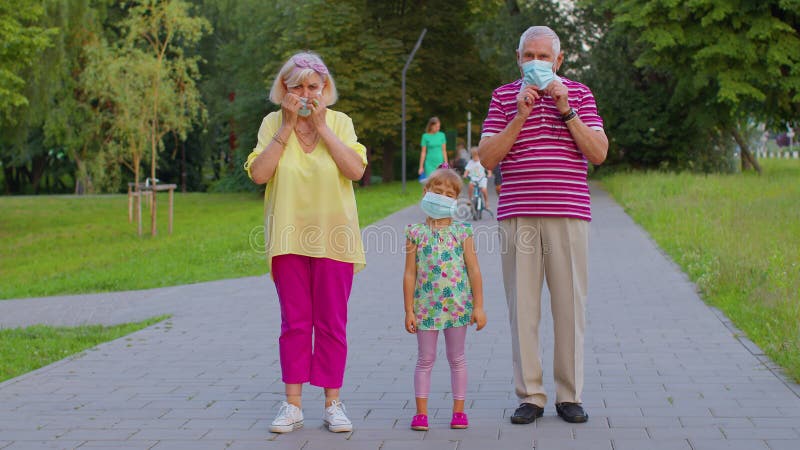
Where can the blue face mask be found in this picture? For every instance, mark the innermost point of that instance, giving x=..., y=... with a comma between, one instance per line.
x=538, y=73
x=304, y=111
x=438, y=206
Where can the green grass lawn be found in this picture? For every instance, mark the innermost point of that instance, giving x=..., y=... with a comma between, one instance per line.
x=52, y=245
x=25, y=349
x=738, y=238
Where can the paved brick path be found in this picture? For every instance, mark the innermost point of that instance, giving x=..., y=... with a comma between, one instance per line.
x=663, y=371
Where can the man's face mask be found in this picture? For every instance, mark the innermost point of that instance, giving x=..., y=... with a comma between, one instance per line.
x=538, y=73
x=438, y=206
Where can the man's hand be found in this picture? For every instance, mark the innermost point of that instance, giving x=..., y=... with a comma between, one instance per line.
x=525, y=101
x=560, y=95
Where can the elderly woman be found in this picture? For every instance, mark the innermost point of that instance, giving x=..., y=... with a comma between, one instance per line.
x=309, y=156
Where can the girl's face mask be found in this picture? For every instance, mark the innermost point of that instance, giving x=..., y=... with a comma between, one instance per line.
x=538, y=73
x=438, y=206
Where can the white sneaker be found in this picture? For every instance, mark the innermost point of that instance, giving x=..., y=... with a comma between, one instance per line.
x=289, y=418
x=336, y=419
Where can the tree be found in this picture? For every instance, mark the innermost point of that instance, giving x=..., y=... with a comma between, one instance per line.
x=23, y=41
x=504, y=21
x=647, y=129
x=22, y=44
x=160, y=30
x=447, y=78
x=732, y=60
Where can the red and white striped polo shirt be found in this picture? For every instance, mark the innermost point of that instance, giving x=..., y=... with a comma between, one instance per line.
x=544, y=173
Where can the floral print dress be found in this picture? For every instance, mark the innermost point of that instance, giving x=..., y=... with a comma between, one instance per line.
x=442, y=293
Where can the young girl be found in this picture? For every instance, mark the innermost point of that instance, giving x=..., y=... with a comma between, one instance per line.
x=442, y=290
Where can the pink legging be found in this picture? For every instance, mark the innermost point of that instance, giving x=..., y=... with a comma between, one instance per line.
x=454, y=341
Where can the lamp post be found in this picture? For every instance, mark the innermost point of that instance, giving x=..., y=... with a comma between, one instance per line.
x=469, y=131
x=403, y=101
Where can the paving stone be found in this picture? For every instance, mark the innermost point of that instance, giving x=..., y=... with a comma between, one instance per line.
x=563, y=444
x=423, y=445
x=264, y=445
x=120, y=445
x=748, y=444
x=41, y=445
x=641, y=444
x=484, y=444
x=190, y=444
x=782, y=444
x=344, y=445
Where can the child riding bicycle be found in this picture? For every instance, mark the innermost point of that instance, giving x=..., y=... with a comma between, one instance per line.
x=477, y=174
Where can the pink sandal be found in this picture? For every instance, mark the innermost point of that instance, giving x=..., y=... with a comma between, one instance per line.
x=459, y=421
x=420, y=422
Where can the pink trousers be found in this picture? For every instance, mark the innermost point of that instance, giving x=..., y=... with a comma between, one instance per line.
x=313, y=294
x=454, y=341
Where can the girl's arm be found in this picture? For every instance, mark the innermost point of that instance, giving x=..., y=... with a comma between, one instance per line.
x=475, y=281
x=444, y=153
x=409, y=280
x=422, y=160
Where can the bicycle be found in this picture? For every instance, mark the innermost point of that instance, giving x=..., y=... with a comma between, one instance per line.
x=477, y=204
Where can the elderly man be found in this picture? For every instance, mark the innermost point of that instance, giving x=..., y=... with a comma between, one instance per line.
x=541, y=130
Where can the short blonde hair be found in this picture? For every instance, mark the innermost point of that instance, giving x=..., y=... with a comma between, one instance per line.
x=446, y=177
x=299, y=68
x=473, y=151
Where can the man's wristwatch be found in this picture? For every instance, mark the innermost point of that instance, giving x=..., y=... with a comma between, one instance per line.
x=571, y=114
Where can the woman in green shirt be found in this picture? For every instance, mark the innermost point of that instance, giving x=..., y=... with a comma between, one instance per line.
x=434, y=147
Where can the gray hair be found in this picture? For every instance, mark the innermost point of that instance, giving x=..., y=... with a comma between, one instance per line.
x=540, y=32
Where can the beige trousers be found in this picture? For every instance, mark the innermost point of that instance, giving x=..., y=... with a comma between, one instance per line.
x=535, y=248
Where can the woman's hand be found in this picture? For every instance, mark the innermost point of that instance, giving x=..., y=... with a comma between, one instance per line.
x=290, y=105
x=478, y=317
x=411, y=323
x=318, y=110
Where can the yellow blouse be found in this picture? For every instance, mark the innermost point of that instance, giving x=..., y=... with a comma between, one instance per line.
x=309, y=206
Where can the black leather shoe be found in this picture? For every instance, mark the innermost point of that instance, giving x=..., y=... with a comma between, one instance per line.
x=526, y=413
x=572, y=412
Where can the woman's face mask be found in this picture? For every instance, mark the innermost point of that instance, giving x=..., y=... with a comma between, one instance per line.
x=438, y=206
x=538, y=73
x=304, y=111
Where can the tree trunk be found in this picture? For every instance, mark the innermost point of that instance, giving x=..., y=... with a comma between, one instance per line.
x=747, y=157
x=38, y=166
x=183, y=166
x=154, y=149
x=8, y=175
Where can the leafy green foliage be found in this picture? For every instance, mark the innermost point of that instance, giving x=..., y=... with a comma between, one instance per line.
x=22, y=45
x=646, y=127
x=731, y=60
